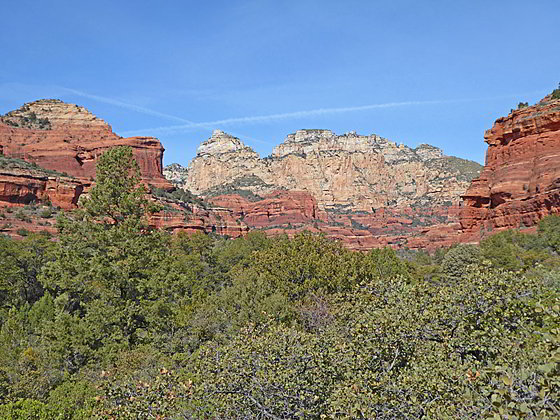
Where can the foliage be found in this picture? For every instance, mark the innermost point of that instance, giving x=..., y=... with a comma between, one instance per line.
x=456, y=262
x=116, y=320
x=549, y=233
x=240, y=186
x=14, y=163
x=178, y=195
x=556, y=93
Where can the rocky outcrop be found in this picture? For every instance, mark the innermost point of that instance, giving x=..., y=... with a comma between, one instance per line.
x=289, y=212
x=48, y=154
x=23, y=183
x=176, y=174
x=363, y=190
x=185, y=217
x=69, y=139
x=280, y=208
x=349, y=172
x=520, y=182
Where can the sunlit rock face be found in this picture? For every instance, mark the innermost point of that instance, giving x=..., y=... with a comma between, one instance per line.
x=366, y=191
x=48, y=153
x=520, y=182
x=68, y=138
x=349, y=171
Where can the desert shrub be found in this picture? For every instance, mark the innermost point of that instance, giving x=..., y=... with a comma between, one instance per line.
x=549, y=233
x=21, y=215
x=46, y=213
x=457, y=260
x=22, y=232
x=556, y=93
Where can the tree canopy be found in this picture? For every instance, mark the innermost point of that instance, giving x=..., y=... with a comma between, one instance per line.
x=115, y=320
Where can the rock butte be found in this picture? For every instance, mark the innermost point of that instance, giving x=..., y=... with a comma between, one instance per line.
x=62, y=142
x=520, y=182
x=349, y=172
x=68, y=138
x=364, y=190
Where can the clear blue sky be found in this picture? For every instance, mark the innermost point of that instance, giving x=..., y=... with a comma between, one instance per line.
x=437, y=72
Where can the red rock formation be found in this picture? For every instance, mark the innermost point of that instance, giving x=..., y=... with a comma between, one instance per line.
x=68, y=138
x=197, y=219
x=520, y=182
x=289, y=212
x=277, y=208
x=61, y=138
x=20, y=187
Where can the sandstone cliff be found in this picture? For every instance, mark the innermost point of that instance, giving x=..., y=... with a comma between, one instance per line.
x=520, y=182
x=24, y=183
x=48, y=152
x=364, y=190
x=68, y=138
x=349, y=172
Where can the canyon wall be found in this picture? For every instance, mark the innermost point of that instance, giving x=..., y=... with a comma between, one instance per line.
x=364, y=190
x=48, y=153
x=520, y=182
x=347, y=172
x=68, y=138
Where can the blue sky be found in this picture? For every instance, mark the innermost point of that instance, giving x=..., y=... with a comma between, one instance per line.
x=437, y=72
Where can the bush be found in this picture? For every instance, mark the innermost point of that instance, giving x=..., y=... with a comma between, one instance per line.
x=46, y=213
x=22, y=232
x=457, y=260
x=26, y=409
x=556, y=93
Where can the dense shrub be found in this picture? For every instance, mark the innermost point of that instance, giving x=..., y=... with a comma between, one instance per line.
x=116, y=320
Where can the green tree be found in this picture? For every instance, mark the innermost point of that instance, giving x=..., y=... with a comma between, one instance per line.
x=106, y=273
x=549, y=233
x=457, y=260
x=21, y=263
x=118, y=197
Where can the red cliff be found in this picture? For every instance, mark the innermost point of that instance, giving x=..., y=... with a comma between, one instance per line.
x=289, y=212
x=520, y=182
x=69, y=139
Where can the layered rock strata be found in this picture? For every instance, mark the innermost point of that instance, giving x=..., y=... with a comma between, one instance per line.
x=289, y=212
x=21, y=184
x=364, y=190
x=48, y=152
x=68, y=138
x=520, y=182
x=350, y=172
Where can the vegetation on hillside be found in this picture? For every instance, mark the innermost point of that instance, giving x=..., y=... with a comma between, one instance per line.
x=556, y=93
x=25, y=118
x=118, y=321
x=241, y=187
x=10, y=163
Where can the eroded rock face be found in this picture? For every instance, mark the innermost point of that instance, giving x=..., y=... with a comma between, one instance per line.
x=23, y=183
x=22, y=187
x=350, y=172
x=49, y=150
x=520, y=182
x=68, y=138
x=276, y=209
x=363, y=190
x=176, y=174
x=289, y=212
x=221, y=221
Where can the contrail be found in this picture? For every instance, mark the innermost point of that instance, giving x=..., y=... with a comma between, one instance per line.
x=276, y=117
x=303, y=114
x=126, y=105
